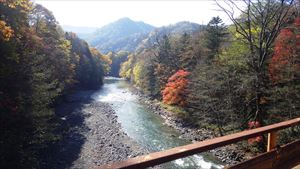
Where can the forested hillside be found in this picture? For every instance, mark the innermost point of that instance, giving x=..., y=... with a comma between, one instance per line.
x=117, y=58
x=127, y=35
x=39, y=64
x=220, y=78
x=123, y=34
x=226, y=77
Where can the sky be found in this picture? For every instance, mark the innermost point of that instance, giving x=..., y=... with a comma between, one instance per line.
x=97, y=13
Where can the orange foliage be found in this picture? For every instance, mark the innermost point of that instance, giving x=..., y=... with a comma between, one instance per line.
x=106, y=59
x=285, y=52
x=5, y=31
x=175, y=90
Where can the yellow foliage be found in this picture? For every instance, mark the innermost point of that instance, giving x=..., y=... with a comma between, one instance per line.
x=126, y=70
x=127, y=74
x=234, y=54
x=106, y=59
x=255, y=30
x=65, y=44
x=6, y=31
x=137, y=73
x=25, y=5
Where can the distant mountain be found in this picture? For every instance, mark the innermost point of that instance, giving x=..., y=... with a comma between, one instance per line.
x=180, y=28
x=128, y=35
x=173, y=29
x=123, y=34
x=81, y=31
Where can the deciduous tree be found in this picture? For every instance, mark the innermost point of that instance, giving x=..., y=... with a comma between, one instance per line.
x=259, y=25
x=175, y=90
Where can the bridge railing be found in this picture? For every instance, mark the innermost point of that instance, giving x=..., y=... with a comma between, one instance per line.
x=160, y=157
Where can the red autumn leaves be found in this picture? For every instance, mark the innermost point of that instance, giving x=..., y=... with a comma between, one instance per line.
x=253, y=125
x=175, y=90
x=285, y=59
x=286, y=52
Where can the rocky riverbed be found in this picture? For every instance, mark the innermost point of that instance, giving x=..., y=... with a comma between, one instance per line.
x=229, y=155
x=91, y=135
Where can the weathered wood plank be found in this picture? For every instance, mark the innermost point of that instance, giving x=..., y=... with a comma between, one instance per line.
x=272, y=137
x=187, y=150
x=284, y=157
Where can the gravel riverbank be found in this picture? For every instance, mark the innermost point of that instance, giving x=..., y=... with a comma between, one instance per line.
x=229, y=155
x=91, y=135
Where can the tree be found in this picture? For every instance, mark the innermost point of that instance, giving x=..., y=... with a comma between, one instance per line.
x=187, y=51
x=284, y=63
x=165, y=61
x=215, y=33
x=117, y=59
x=6, y=31
x=216, y=96
x=12, y=13
x=54, y=45
x=27, y=89
x=284, y=73
x=89, y=69
x=104, y=59
x=37, y=66
x=126, y=67
x=259, y=25
x=138, y=73
x=175, y=90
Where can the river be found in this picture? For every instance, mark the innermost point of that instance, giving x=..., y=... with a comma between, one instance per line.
x=146, y=127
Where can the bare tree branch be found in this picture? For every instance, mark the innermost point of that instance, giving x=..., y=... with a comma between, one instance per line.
x=259, y=25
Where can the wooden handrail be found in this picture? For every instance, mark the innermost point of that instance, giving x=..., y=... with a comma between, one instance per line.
x=284, y=157
x=198, y=147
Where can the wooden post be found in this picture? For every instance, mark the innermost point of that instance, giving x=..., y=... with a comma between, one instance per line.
x=272, y=137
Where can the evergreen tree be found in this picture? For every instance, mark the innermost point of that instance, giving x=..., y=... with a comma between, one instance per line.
x=215, y=34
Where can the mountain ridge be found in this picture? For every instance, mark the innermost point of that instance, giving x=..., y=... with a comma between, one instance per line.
x=127, y=35
x=115, y=36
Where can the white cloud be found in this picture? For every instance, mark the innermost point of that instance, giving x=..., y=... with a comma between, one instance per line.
x=158, y=13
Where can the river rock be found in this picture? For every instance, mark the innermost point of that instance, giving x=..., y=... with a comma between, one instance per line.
x=92, y=135
x=227, y=154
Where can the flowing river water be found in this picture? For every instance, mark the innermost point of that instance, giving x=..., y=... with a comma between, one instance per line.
x=146, y=127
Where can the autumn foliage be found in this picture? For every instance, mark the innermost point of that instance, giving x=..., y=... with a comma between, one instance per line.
x=286, y=53
x=5, y=31
x=253, y=125
x=175, y=90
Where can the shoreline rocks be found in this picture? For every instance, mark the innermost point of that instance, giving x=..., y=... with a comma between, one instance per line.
x=91, y=135
x=106, y=142
x=229, y=155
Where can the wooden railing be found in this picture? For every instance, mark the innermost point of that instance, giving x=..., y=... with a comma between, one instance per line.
x=198, y=147
x=284, y=157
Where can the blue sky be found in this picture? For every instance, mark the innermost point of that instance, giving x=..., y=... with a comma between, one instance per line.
x=96, y=13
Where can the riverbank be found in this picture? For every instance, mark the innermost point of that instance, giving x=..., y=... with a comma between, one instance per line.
x=229, y=155
x=91, y=135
